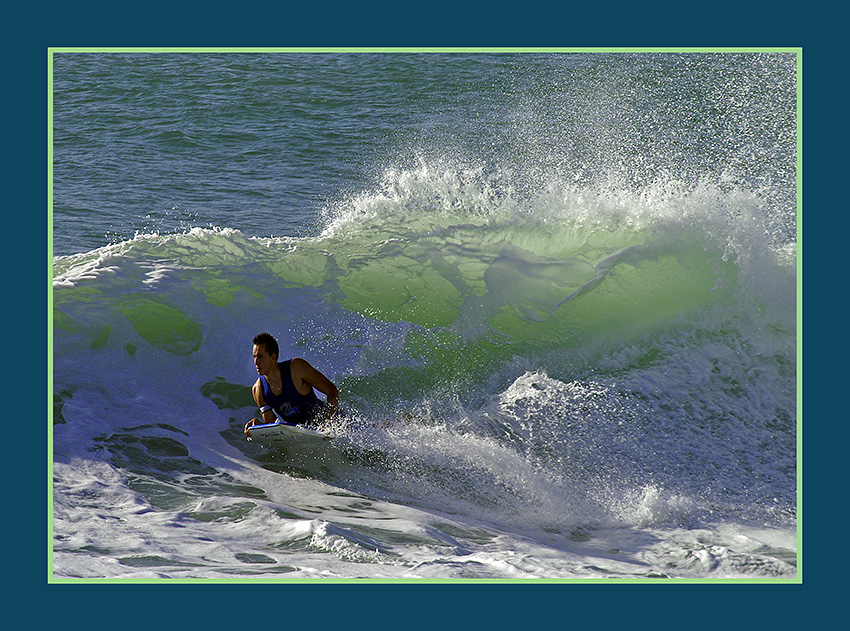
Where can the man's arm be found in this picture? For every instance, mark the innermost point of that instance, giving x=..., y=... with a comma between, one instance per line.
x=304, y=376
x=268, y=416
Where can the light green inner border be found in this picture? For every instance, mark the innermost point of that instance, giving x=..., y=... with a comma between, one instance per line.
x=471, y=50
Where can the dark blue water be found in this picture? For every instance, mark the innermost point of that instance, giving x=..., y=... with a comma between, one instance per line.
x=267, y=143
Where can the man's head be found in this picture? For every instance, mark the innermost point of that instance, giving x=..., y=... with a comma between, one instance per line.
x=267, y=341
x=265, y=352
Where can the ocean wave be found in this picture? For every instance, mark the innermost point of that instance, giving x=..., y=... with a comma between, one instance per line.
x=582, y=361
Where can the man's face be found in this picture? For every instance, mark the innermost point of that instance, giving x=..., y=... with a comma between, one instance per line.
x=262, y=360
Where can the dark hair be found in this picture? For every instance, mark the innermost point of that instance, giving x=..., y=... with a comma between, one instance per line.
x=268, y=342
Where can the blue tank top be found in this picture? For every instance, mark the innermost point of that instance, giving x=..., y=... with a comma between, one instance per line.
x=291, y=405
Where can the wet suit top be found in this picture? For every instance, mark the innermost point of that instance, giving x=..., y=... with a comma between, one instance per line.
x=291, y=405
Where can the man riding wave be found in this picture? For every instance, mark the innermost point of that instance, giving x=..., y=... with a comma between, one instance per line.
x=285, y=390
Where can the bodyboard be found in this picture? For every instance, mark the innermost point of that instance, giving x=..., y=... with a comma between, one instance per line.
x=279, y=434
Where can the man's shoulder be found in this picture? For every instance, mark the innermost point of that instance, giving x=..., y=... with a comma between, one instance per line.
x=299, y=363
x=299, y=367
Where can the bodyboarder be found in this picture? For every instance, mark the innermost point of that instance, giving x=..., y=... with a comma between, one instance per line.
x=285, y=390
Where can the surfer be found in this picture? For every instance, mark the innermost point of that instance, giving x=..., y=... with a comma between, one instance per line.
x=285, y=390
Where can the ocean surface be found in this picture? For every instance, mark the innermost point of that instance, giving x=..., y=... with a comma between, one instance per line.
x=557, y=292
